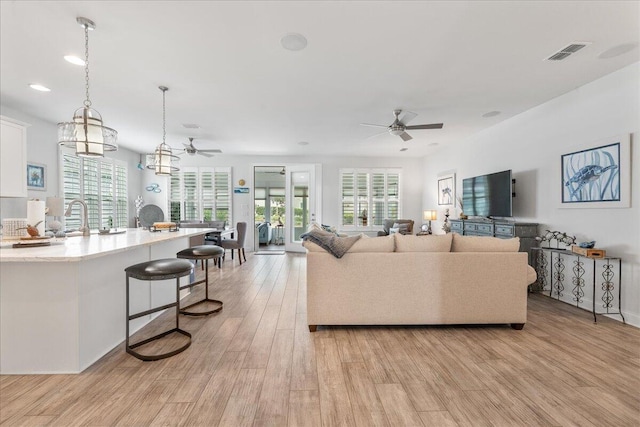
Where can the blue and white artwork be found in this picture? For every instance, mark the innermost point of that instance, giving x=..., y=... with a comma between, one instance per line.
x=592, y=175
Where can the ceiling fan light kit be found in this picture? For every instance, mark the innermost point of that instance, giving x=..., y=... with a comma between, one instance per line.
x=399, y=126
x=86, y=132
x=163, y=157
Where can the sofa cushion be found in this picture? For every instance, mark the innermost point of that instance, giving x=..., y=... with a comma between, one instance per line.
x=432, y=243
x=483, y=244
x=312, y=247
x=373, y=244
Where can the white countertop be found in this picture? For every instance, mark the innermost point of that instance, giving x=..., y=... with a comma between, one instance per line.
x=79, y=248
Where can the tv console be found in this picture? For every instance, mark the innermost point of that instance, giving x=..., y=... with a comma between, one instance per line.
x=526, y=231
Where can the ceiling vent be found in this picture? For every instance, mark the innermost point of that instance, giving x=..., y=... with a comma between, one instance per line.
x=567, y=51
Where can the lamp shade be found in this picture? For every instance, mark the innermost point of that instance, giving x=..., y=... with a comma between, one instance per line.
x=55, y=206
x=162, y=160
x=430, y=215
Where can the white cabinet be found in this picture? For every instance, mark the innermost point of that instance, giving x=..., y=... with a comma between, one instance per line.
x=13, y=158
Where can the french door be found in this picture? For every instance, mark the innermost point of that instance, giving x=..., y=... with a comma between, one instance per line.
x=303, y=201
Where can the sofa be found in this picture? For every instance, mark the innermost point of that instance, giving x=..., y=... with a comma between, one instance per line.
x=419, y=280
x=405, y=226
x=264, y=233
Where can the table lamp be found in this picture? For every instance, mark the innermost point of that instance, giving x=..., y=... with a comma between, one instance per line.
x=428, y=215
x=55, y=208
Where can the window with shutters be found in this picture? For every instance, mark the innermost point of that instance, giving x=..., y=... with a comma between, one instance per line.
x=102, y=184
x=201, y=193
x=368, y=197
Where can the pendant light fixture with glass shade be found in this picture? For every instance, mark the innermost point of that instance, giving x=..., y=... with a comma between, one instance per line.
x=163, y=158
x=86, y=132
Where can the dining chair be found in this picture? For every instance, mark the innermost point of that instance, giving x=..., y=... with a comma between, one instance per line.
x=238, y=243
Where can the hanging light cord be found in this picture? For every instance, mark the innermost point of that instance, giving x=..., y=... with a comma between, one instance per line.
x=164, y=113
x=87, y=102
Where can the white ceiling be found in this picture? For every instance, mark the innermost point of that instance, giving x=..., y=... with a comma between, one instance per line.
x=448, y=62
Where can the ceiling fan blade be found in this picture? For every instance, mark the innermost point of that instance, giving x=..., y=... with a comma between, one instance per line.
x=377, y=134
x=405, y=136
x=204, y=154
x=407, y=117
x=218, y=151
x=180, y=154
x=186, y=145
x=431, y=126
x=376, y=126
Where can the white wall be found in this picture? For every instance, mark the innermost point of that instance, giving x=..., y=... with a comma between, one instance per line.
x=42, y=147
x=531, y=145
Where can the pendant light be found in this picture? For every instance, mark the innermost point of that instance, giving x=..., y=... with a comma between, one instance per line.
x=162, y=157
x=86, y=133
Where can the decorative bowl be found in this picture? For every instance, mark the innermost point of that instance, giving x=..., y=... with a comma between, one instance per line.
x=104, y=231
x=587, y=245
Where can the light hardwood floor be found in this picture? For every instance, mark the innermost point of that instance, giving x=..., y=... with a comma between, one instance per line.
x=257, y=364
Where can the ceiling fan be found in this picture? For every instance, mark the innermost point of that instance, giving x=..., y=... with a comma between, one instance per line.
x=282, y=172
x=399, y=125
x=191, y=150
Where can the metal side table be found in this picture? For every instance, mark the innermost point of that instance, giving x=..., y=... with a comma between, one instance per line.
x=551, y=264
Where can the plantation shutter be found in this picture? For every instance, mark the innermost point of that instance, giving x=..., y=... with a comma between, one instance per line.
x=200, y=194
x=368, y=197
x=102, y=184
x=223, y=195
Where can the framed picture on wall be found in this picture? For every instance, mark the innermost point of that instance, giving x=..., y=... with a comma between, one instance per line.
x=597, y=176
x=36, y=176
x=447, y=189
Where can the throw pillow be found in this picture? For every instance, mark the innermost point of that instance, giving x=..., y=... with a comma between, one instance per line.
x=484, y=244
x=432, y=243
x=337, y=246
x=402, y=228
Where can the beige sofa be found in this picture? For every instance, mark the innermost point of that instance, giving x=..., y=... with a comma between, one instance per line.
x=419, y=280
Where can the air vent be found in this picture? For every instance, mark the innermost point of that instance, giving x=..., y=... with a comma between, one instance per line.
x=191, y=126
x=567, y=51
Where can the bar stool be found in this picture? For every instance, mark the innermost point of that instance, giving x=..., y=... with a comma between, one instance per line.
x=202, y=252
x=160, y=269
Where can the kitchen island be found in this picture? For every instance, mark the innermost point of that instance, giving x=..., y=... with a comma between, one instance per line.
x=62, y=307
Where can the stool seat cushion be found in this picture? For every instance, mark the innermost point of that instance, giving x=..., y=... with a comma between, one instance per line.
x=160, y=269
x=202, y=251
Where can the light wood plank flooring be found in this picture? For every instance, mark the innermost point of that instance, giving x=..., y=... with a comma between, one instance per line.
x=257, y=364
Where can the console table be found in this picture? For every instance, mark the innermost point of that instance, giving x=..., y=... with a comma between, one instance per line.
x=526, y=231
x=550, y=265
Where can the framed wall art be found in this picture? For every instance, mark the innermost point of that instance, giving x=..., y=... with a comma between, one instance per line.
x=446, y=189
x=598, y=176
x=36, y=176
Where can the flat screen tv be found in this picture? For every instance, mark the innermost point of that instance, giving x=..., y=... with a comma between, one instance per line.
x=488, y=195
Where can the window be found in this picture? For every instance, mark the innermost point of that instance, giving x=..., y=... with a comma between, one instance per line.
x=102, y=184
x=260, y=200
x=369, y=196
x=201, y=193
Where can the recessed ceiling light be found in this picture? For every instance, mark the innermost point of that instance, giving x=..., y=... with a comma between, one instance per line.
x=74, y=60
x=191, y=126
x=404, y=149
x=491, y=114
x=433, y=144
x=303, y=143
x=39, y=87
x=617, y=50
x=293, y=41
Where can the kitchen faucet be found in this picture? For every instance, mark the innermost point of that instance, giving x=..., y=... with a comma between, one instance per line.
x=85, y=216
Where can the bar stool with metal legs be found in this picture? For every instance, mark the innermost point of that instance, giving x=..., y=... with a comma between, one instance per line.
x=161, y=269
x=203, y=252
